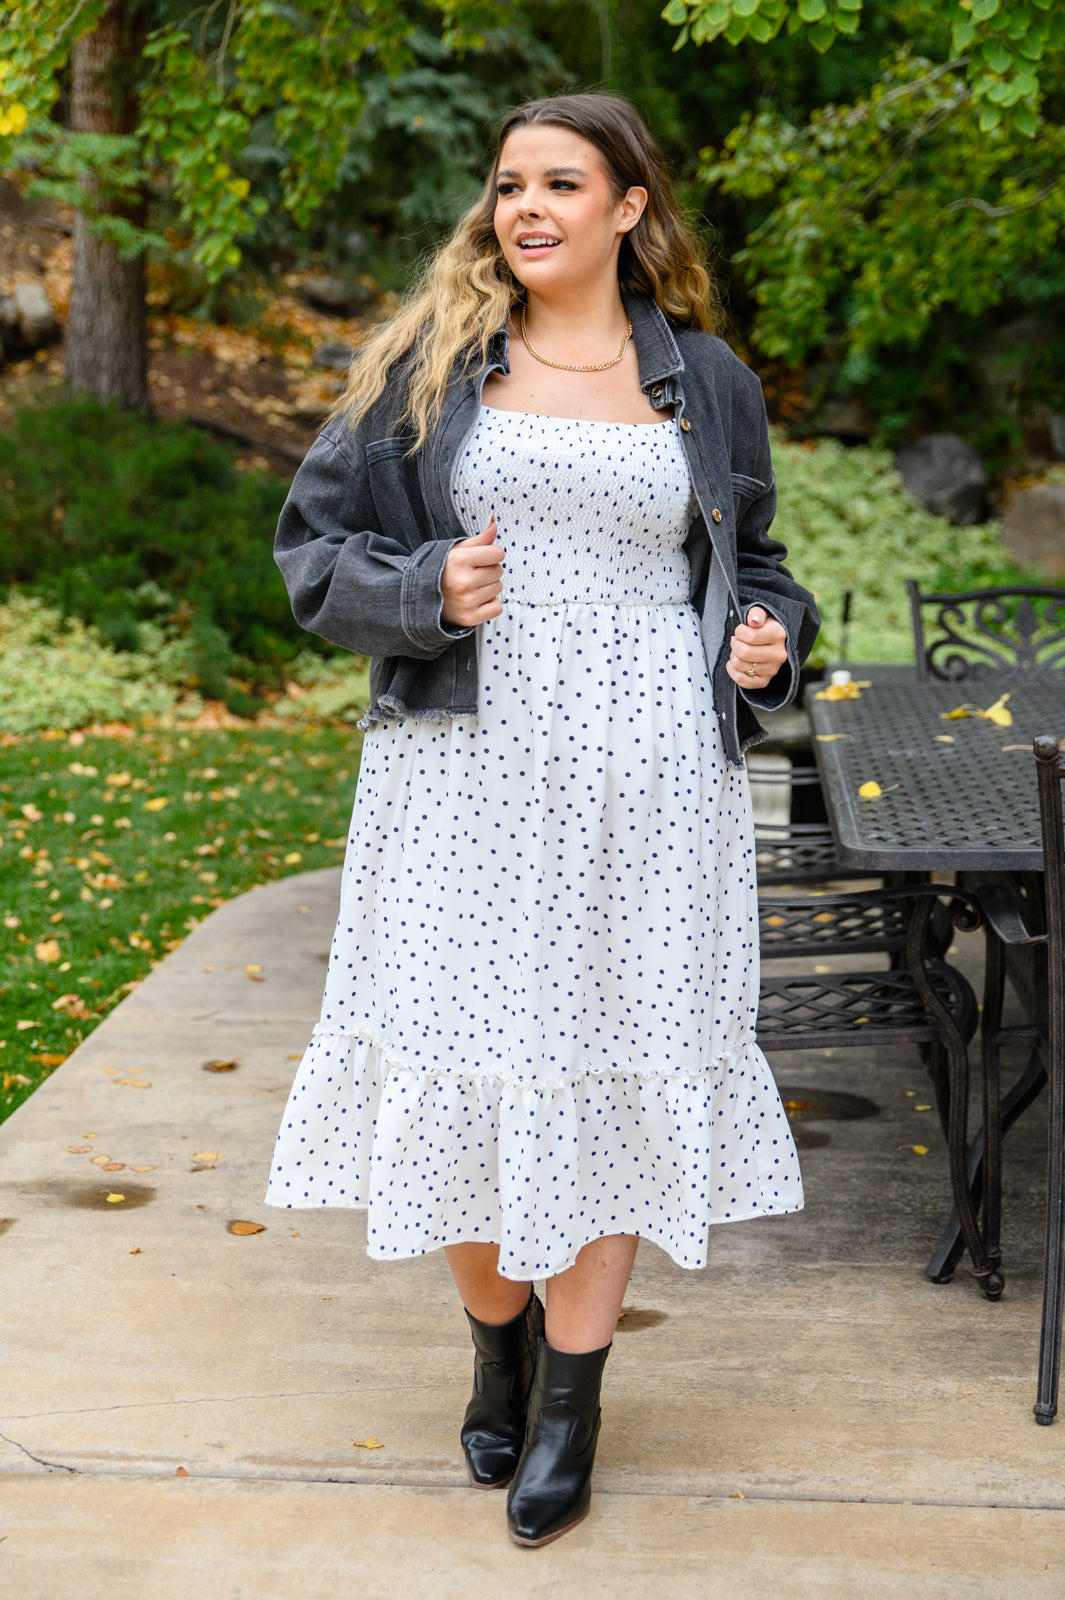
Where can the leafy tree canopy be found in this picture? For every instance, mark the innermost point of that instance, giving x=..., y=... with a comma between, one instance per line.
x=938, y=187
x=211, y=83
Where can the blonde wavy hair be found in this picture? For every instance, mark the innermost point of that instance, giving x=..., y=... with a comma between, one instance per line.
x=466, y=292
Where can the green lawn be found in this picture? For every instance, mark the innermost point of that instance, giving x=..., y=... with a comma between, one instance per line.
x=112, y=849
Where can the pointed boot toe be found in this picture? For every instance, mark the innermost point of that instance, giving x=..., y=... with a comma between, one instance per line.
x=552, y=1488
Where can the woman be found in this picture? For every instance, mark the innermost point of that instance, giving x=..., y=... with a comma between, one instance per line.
x=542, y=507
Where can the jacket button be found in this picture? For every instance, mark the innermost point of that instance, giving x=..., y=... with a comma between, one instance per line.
x=716, y=514
x=657, y=392
x=686, y=426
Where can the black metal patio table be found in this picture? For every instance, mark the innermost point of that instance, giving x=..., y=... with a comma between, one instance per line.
x=956, y=795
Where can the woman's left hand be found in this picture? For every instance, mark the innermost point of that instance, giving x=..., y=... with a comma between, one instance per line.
x=759, y=648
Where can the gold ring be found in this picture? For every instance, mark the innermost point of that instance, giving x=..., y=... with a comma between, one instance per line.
x=752, y=670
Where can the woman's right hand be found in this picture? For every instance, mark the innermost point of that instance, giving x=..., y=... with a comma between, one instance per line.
x=472, y=580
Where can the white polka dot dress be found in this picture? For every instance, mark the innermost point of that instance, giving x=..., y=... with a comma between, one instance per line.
x=538, y=1023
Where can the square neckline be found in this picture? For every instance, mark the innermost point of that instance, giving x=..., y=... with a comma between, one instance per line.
x=595, y=422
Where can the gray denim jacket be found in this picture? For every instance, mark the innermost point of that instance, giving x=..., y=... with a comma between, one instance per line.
x=367, y=527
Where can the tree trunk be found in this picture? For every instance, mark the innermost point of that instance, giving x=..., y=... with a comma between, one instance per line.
x=107, y=334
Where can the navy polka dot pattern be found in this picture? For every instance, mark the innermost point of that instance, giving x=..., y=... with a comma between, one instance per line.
x=538, y=1023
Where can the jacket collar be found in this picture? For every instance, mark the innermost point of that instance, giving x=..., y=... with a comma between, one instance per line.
x=657, y=353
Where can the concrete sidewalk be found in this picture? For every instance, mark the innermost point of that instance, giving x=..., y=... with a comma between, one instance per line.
x=808, y=1417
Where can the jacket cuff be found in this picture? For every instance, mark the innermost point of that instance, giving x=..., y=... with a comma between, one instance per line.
x=783, y=686
x=421, y=600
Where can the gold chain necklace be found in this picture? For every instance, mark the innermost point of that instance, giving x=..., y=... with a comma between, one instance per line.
x=563, y=366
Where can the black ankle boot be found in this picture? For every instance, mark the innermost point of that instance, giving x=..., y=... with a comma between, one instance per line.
x=552, y=1487
x=493, y=1429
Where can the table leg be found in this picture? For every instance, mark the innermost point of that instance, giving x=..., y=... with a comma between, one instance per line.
x=987, y=1274
x=951, y=1246
x=990, y=1042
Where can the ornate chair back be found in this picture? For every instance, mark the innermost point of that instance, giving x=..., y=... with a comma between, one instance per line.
x=1009, y=634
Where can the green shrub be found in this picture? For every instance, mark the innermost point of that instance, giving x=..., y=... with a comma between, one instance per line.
x=333, y=690
x=119, y=520
x=56, y=674
x=849, y=524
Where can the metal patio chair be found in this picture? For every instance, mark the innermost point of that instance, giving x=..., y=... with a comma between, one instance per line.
x=1009, y=634
x=1010, y=921
x=799, y=849
x=919, y=999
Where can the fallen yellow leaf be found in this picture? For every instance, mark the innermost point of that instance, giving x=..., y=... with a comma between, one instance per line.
x=243, y=1228
x=944, y=738
x=134, y=1083
x=372, y=1443
x=118, y=780
x=252, y=967
x=207, y=1155
x=23, y=1025
x=922, y=1108
x=869, y=791
x=998, y=714
x=115, y=1199
x=100, y=1161
x=918, y=1149
x=48, y=950
x=72, y=1004
x=142, y=1169
x=293, y=858
x=157, y=804
x=843, y=691
x=830, y=738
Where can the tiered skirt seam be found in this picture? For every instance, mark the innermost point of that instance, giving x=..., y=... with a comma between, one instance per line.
x=396, y=1061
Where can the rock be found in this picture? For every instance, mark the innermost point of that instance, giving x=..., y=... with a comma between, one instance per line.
x=9, y=329
x=1056, y=426
x=844, y=419
x=946, y=475
x=36, y=320
x=1033, y=528
x=339, y=296
x=1003, y=358
x=334, y=357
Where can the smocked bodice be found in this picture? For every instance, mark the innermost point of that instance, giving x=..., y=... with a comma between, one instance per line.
x=588, y=512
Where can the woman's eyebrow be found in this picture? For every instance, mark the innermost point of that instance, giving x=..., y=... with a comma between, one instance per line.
x=551, y=172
